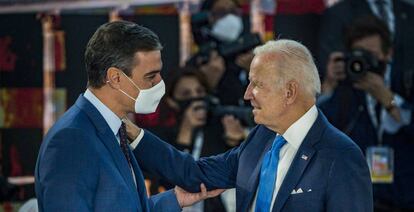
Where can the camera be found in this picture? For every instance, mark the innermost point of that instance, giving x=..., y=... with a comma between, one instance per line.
x=359, y=61
x=242, y=113
x=216, y=110
x=208, y=43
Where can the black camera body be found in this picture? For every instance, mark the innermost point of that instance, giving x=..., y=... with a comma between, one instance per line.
x=217, y=110
x=359, y=61
x=207, y=43
x=242, y=113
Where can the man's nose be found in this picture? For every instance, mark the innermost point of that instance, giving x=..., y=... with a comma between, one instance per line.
x=248, y=93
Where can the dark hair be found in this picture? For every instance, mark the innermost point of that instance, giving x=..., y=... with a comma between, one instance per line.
x=366, y=26
x=187, y=71
x=114, y=44
x=175, y=75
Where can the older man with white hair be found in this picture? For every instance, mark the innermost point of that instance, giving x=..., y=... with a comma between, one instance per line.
x=293, y=160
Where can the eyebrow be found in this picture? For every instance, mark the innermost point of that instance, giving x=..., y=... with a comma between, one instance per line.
x=151, y=73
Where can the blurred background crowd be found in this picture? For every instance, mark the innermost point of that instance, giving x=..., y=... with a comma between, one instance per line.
x=364, y=50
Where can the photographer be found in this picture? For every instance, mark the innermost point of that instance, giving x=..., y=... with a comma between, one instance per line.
x=358, y=97
x=224, y=54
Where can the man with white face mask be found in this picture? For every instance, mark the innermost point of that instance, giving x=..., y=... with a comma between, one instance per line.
x=225, y=74
x=227, y=28
x=85, y=162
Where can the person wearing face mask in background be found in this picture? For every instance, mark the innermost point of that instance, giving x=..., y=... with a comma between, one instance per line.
x=186, y=109
x=185, y=120
x=85, y=162
x=227, y=76
x=372, y=113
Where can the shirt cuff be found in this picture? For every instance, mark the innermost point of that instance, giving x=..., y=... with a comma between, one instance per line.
x=390, y=125
x=135, y=143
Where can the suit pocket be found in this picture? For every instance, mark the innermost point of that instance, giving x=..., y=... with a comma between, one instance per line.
x=307, y=201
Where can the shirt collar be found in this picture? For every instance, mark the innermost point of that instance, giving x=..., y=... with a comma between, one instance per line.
x=110, y=117
x=295, y=134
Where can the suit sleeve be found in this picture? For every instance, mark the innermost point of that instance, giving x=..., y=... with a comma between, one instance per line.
x=164, y=202
x=68, y=173
x=349, y=185
x=159, y=158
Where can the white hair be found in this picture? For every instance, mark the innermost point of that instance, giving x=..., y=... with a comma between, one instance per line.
x=296, y=63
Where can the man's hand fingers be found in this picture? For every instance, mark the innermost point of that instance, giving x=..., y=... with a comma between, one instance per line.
x=214, y=193
x=203, y=192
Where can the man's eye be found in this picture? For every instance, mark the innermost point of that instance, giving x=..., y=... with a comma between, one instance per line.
x=151, y=77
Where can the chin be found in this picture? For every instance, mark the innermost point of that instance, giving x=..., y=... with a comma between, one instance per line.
x=257, y=120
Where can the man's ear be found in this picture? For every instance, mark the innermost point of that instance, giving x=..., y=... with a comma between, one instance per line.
x=291, y=91
x=113, y=77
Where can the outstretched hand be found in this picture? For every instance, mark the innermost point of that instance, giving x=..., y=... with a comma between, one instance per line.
x=186, y=198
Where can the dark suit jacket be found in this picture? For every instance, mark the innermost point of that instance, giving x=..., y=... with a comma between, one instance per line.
x=347, y=110
x=327, y=162
x=338, y=17
x=213, y=143
x=81, y=167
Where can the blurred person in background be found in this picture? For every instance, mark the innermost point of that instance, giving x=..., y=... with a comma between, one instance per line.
x=185, y=114
x=187, y=122
x=359, y=98
x=225, y=46
x=399, y=18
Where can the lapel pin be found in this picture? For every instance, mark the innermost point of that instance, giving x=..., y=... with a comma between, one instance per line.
x=304, y=157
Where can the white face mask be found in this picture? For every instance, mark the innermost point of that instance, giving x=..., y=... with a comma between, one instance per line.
x=228, y=28
x=147, y=100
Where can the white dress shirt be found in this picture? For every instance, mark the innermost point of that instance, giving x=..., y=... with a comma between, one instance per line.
x=110, y=117
x=294, y=136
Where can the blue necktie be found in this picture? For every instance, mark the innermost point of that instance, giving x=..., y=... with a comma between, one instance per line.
x=268, y=176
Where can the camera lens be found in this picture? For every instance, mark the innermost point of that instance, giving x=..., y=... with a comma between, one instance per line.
x=356, y=66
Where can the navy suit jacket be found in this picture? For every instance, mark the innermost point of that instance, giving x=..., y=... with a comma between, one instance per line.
x=328, y=167
x=347, y=110
x=81, y=167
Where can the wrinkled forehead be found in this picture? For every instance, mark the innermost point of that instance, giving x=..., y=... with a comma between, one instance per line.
x=264, y=65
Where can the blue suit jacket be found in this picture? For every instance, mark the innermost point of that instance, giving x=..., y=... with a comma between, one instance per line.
x=81, y=167
x=347, y=110
x=333, y=176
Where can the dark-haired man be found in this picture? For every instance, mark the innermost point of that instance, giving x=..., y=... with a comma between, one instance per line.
x=371, y=110
x=85, y=162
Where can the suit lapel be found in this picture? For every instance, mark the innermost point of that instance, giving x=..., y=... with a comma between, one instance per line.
x=109, y=140
x=111, y=144
x=139, y=178
x=302, y=159
x=293, y=176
